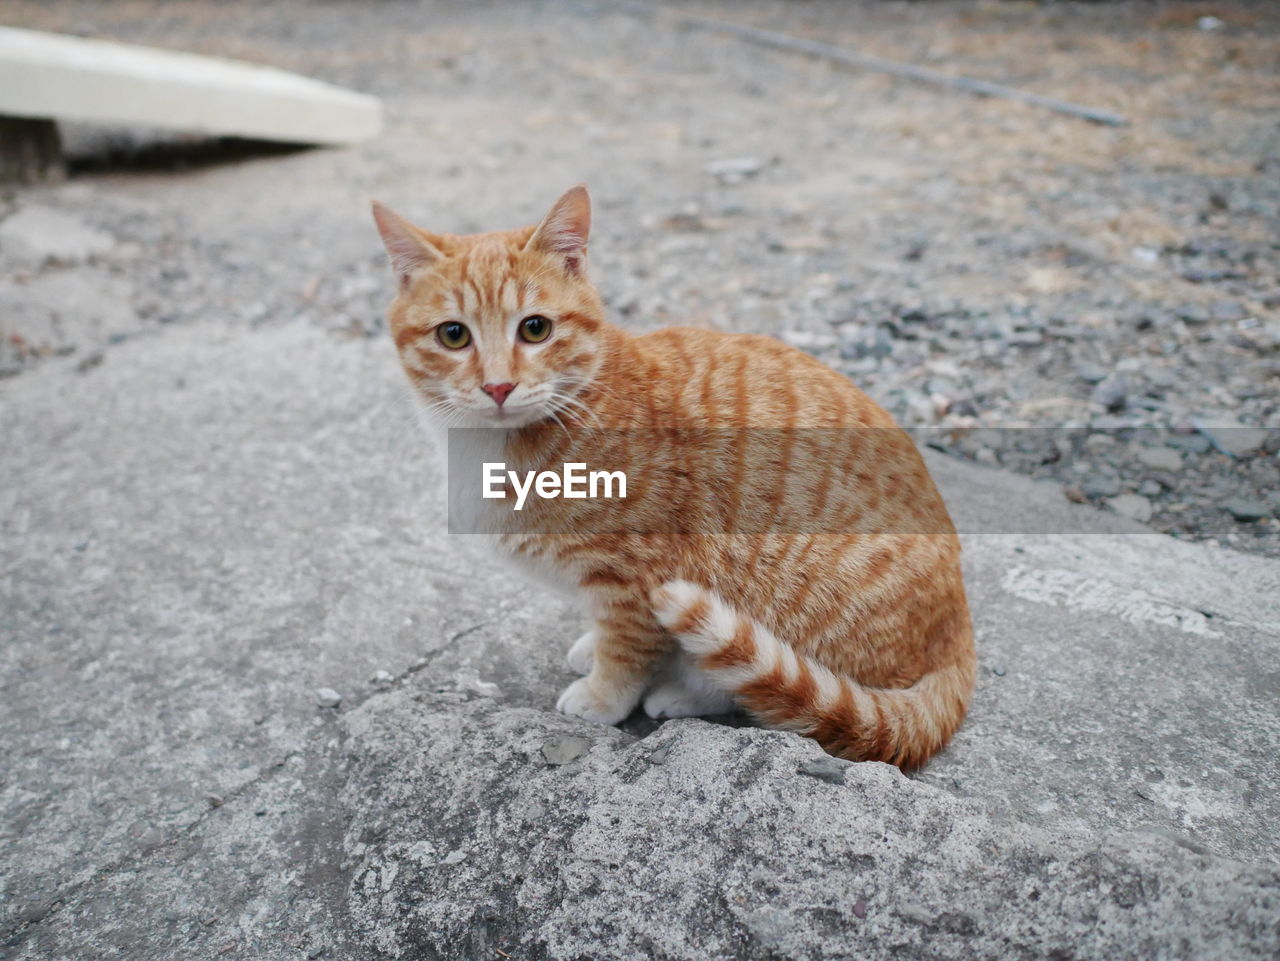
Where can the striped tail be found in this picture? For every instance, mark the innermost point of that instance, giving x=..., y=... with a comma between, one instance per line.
x=783, y=689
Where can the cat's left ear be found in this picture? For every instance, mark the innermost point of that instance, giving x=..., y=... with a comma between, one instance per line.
x=407, y=245
x=564, y=229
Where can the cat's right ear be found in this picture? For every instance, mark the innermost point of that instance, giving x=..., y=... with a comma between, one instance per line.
x=408, y=247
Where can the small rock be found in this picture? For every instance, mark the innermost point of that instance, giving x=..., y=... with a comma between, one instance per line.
x=1193, y=314
x=1246, y=510
x=1133, y=506
x=328, y=697
x=215, y=800
x=1233, y=438
x=1074, y=494
x=1025, y=338
x=999, y=670
x=1160, y=458
x=859, y=909
x=382, y=677
x=1227, y=311
x=562, y=750
x=827, y=769
x=1091, y=373
x=1100, y=485
x=1112, y=393
x=660, y=755
x=733, y=170
x=1149, y=488
x=1192, y=443
x=90, y=361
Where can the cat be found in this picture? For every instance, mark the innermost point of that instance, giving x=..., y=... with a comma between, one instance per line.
x=713, y=594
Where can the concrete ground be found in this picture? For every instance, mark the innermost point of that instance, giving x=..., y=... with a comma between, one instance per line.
x=215, y=502
x=187, y=556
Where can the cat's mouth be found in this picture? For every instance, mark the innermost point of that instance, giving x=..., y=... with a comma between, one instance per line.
x=511, y=415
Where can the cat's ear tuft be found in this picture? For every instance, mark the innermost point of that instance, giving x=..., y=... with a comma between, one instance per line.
x=408, y=246
x=565, y=228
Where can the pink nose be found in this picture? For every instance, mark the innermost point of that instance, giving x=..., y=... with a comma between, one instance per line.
x=499, y=392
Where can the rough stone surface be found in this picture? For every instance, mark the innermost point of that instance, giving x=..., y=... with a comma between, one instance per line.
x=755, y=859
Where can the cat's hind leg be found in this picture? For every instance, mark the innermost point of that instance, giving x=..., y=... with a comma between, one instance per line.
x=685, y=691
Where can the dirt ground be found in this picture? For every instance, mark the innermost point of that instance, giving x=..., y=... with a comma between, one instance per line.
x=1074, y=301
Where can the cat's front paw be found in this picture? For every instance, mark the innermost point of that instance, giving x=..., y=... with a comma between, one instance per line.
x=583, y=653
x=581, y=701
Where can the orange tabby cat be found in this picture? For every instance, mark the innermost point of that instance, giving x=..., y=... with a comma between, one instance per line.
x=825, y=599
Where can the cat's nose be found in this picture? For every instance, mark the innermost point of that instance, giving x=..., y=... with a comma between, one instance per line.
x=499, y=392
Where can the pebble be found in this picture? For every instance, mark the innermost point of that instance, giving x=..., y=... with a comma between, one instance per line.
x=1193, y=314
x=733, y=170
x=1245, y=509
x=1133, y=506
x=1233, y=438
x=1160, y=458
x=1111, y=394
x=562, y=750
x=328, y=697
x=382, y=677
x=827, y=769
x=1228, y=311
x=1100, y=485
x=1193, y=443
x=1149, y=488
x=1091, y=373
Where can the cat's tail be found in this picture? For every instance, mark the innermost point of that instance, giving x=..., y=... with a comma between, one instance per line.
x=783, y=689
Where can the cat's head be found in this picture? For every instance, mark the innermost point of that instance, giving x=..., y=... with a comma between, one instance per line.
x=499, y=329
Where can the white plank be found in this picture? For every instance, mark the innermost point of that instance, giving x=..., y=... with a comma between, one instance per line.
x=48, y=75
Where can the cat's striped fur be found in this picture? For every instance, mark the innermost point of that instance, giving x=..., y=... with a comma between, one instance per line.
x=853, y=630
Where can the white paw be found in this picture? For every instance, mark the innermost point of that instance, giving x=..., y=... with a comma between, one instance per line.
x=677, y=700
x=580, y=701
x=673, y=599
x=583, y=652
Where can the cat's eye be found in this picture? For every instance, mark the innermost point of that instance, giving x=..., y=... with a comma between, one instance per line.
x=453, y=335
x=535, y=329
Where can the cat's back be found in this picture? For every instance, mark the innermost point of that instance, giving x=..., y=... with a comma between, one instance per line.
x=783, y=434
x=706, y=378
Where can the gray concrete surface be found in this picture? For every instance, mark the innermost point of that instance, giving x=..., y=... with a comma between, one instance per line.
x=209, y=525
